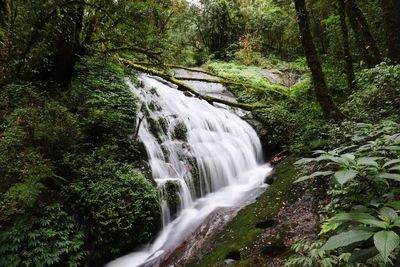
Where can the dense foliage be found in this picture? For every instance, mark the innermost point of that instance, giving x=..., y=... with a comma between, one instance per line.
x=73, y=186
x=68, y=167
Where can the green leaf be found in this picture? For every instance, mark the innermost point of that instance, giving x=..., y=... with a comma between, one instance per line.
x=391, y=162
x=394, y=204
x=389, y=176
x=363, y=255
x=338, y=160
x=388, y=213
x=346, y=238
x=345, y=176
x=315, y=152
x=304, y=161
x=397, y=222
x=315, y=174
x=348, y=156
x=368, y=161
x=395, y=168
x=385, y=242
x=363, y=218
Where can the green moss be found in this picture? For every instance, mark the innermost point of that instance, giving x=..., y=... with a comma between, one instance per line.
x=173, y=200
x=154, y=107
x=163, y=124
x=195, y=176
x=153, y=91
x=180, y=132
x=154, y=128
x=241, y=231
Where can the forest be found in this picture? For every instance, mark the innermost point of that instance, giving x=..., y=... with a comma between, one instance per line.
x=98, y=158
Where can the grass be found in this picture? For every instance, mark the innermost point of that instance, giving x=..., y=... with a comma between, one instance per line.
x=241, y=231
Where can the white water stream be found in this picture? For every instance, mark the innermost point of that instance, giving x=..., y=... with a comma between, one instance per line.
x=217, y=164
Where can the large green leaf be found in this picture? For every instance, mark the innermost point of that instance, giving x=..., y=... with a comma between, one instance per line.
x=363, y=255
x=395, y=168
x=391, y=162
x=394, y=204
x=346, y=238
x=389, y=176
x=385, y=242
x=368, y=161
x=345, y=176
x=338, y=160
x=388, y=213
x=304, y=161
x=315, y=174
x=363, y=218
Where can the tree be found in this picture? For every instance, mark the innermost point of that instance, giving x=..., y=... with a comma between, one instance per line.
x=68, y=43
x=4, y=24
x=219, y=25
x=346, y=47
x=391, y=23
x=320, y=87
x=4, y=20
x=361, y=29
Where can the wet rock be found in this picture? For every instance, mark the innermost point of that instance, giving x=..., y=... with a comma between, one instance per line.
x=269, y=179
x=266, y=224
x=233, y=255
x=274, y=250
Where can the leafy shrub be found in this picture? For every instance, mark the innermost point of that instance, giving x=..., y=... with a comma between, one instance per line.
x=368, y=165
x=379, y=92
x=46, y=237
x=120, y=211
x=106, y=107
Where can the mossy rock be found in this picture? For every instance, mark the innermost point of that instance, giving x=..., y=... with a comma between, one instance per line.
x=155, y=128
x=153, y=106
x=242, y=230
x=180, y=132
x=153, y=91
x=171, y=190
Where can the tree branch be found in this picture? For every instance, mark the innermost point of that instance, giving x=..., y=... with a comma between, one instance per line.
x=186, y=88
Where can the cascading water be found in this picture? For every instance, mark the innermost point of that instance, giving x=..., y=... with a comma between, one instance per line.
x=202, y=158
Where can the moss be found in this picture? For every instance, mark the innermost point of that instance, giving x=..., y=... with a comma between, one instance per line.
x=180, y=132
x=163, y=124
x=153, y=91
x=173, y=200
x=195, y=176
x=154, y=107
x=241, y=231
x=154, y=128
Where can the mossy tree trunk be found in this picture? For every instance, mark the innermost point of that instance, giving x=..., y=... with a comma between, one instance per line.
x=346, y=47
x=360, y=26
x=391, y=19
x=68, y=44
x=4, y=27
x=320, y=87
x=4, y=20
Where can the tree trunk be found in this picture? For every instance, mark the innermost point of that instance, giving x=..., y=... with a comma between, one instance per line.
x=391, y=20
x=368, y=41
x=320, y=87
x=4, y=28
x=68, y=44
x=358, y=36
x=4, y=21
x=346, y=47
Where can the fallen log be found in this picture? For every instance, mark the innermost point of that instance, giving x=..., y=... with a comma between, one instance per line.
x=187, y=88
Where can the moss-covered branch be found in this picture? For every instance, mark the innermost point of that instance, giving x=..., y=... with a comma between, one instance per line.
x=208, y=80
x=182, y=86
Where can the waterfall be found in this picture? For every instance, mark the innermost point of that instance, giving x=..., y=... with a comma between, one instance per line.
x=202, y=157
